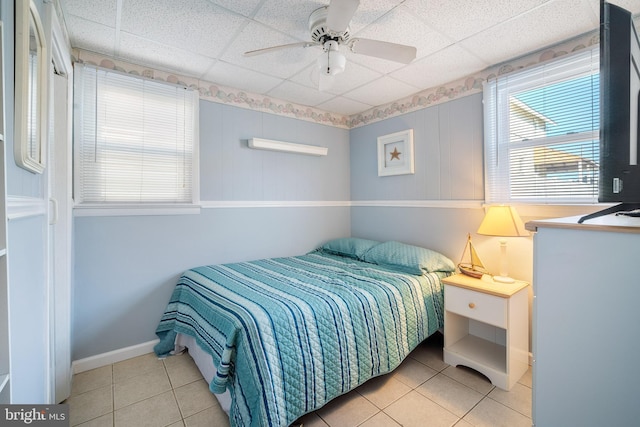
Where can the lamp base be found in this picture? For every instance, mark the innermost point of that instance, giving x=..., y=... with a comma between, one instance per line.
x=503, y=279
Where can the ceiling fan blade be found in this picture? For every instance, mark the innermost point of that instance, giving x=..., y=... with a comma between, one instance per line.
x=340, y=14
x=385, y=50
x=276, y=48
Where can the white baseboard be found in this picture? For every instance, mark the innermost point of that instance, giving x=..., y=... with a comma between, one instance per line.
x=114, y=356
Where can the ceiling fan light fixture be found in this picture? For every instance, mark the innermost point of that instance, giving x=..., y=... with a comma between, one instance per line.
x=331, y=62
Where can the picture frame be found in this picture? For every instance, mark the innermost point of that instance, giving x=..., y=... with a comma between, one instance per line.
x=395, y=153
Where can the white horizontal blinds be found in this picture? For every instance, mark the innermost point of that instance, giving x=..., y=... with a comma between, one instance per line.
x=541, y=126
x=134, y=139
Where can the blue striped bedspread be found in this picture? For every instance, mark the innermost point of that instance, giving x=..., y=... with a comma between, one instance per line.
x=287, y=335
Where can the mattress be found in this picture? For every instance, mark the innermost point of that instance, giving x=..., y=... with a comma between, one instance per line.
x=287, y=335
x=204, y=362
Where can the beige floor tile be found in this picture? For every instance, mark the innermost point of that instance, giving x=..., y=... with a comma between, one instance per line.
x=489, y=413
x=430, y=355
x=136, y=366
x=160, y=410
x=182, y=370
x=413, y=373
x=139, y=388
x=518, y=398
x=194, y=397
x=208, y=418
x=470, y=378
x=415, y=410
x=348, y=410
x=450, y=394
x=91, y=380
x=380, y=420
x=310, y=420
x=383, y=391
x=92, y=404
x=103, y=421
x=527, y=379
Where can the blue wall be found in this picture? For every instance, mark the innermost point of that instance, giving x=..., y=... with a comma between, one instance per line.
x=230, y=171
x=448, y=178
x=448, y=155
x=127, y=266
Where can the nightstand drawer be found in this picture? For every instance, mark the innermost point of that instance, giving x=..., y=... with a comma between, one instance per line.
x=476, y=305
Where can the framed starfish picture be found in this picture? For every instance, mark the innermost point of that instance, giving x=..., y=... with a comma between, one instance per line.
x=395, y=153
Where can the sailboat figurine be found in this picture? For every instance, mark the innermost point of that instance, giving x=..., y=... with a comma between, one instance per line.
x=474, y=268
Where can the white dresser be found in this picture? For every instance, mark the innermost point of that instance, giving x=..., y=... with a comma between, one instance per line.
x=586, y=322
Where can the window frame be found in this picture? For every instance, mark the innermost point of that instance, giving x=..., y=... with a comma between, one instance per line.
x=117, y=208
x=497, y=139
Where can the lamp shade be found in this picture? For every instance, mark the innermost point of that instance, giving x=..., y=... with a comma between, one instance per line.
x=502, y=221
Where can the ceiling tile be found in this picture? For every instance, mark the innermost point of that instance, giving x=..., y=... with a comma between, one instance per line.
x=100, y=11
x=244, y=7
x=369, y=11
x=161, y=57
x=450, y=64
x=299, y=94
x=289, y=16
x=381, y=91
x=187, y=26
x=91, y=36
x=344, y=106
x=542, y=27
x=233, y=76
x=460, y=19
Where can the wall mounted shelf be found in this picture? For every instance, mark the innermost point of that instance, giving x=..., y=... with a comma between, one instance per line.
x=288, y=147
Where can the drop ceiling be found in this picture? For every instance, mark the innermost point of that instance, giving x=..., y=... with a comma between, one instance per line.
x=206, y=39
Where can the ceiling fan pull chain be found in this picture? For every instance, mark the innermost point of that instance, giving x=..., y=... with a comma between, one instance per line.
x=328, y=62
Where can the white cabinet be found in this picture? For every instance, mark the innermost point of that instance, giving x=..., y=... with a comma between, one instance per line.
x=4, y=282
x=586, y=322
x=486, y=327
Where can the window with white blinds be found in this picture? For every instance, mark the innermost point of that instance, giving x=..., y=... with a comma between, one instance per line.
x=135, y=139
x=541, y=133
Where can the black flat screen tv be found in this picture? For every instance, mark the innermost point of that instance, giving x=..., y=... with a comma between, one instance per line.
x=619, y=173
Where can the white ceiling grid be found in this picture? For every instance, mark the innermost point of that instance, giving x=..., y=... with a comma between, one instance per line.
x=206, y=39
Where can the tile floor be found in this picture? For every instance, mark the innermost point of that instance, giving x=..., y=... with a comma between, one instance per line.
x=422, y=392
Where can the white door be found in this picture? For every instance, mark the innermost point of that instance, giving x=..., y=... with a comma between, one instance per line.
x=60, y=224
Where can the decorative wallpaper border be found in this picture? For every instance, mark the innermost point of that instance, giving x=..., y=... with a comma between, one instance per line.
x=217, y=93
x=225, y=95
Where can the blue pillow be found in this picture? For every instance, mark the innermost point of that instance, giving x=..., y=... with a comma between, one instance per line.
x=408, y=258
x=352, y=247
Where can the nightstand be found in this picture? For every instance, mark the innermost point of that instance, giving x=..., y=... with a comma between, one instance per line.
x=486, y=327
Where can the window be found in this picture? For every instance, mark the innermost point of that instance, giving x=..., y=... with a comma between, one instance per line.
x=135, y=140
x=541, y=133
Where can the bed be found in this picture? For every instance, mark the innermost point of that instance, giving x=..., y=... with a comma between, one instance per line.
x=287, y=335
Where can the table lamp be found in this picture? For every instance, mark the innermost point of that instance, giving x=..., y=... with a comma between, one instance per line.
x=502, y=221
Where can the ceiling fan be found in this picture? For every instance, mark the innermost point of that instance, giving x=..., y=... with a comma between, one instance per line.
x=329, y=28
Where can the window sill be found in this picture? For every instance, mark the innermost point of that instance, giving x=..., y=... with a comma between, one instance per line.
x=534, y=210
x=133, y=210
